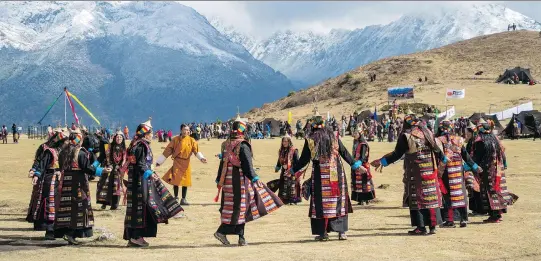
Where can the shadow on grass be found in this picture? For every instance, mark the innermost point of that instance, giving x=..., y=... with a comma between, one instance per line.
x=13, y=219
x=379, y=229
x=200, y=246
x=399, y=216
x=16, y=229
x=405, y=233
x=12, y=214
x=25, y=242
x=375, y=207
x=304, y=241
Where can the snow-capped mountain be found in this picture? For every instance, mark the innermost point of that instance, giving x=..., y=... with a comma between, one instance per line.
x=126, y=61
x=307, y=58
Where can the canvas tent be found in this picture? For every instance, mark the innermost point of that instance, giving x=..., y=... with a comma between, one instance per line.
x=529, y=122
x=367, y=114
x=497, y=124
x=428, y=116
x=524, y=75
x=275, y=126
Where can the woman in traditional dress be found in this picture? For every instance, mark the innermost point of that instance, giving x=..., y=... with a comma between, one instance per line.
x=45, y=174
x=149, y=201
x=74, y=216
x=109, y=186
x=244, y=196
x=453, y=182
x=54, y=138
x=423, y=195
x=329, y=197
x=392, y=132
x=289, y=188
x=488, y=153
x=362, y=186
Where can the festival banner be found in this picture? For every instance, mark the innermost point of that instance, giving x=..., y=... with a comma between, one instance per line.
x=455, y=94
x=448, y=113
x=400, y=93
x=83, y=106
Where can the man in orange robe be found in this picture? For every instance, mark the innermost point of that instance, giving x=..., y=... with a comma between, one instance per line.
x=180, y=149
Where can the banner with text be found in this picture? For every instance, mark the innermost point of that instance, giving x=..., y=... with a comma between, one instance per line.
x=455, y=94
x=402, y=92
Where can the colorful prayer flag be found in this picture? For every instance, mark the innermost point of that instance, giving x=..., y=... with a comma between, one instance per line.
x=84, y=108
x=71, y=106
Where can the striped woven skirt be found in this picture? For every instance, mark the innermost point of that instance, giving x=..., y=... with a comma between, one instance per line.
x=242, y=201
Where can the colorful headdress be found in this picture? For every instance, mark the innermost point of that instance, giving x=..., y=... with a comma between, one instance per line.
x=446, y=126
x=59, y=135
x=76, y=137
x=411, y=119
x=485, y=128
x=317, y=121
x=145, y=127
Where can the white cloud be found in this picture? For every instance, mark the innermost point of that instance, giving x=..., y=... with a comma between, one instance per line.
x=262, y=18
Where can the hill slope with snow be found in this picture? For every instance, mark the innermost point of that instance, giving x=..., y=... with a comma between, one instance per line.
x=126, y=61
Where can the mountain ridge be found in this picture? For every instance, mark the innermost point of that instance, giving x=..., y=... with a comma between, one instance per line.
x=310, y=60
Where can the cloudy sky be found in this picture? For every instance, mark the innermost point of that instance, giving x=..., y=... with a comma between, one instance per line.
x=263, y=18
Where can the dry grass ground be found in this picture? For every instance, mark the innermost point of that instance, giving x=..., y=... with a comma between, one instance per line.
x=377, y=232
x=452, y=66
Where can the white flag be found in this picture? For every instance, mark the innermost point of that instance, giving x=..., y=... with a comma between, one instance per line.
x=455, y=94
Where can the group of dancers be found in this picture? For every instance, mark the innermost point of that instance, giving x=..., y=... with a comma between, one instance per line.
x=441, y=172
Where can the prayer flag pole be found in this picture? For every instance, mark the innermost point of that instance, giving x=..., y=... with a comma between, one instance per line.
x=65, y=113
x=49, y=109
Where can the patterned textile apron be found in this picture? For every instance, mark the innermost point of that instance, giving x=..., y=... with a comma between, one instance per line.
x=242, y=201
x=423, y=190
x=334, y=196
x=357, y=181
x=74, y=210
x=455, y=189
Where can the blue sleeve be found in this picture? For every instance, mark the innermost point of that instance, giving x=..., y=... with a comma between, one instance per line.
x=357, y=165
x=96, y=164
x=37, y=174
x=466, y=167
x=147, y=173
x=384, y=162
x=99, y=171
x=444, y=159
x=255, y=179
x=475, y=167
